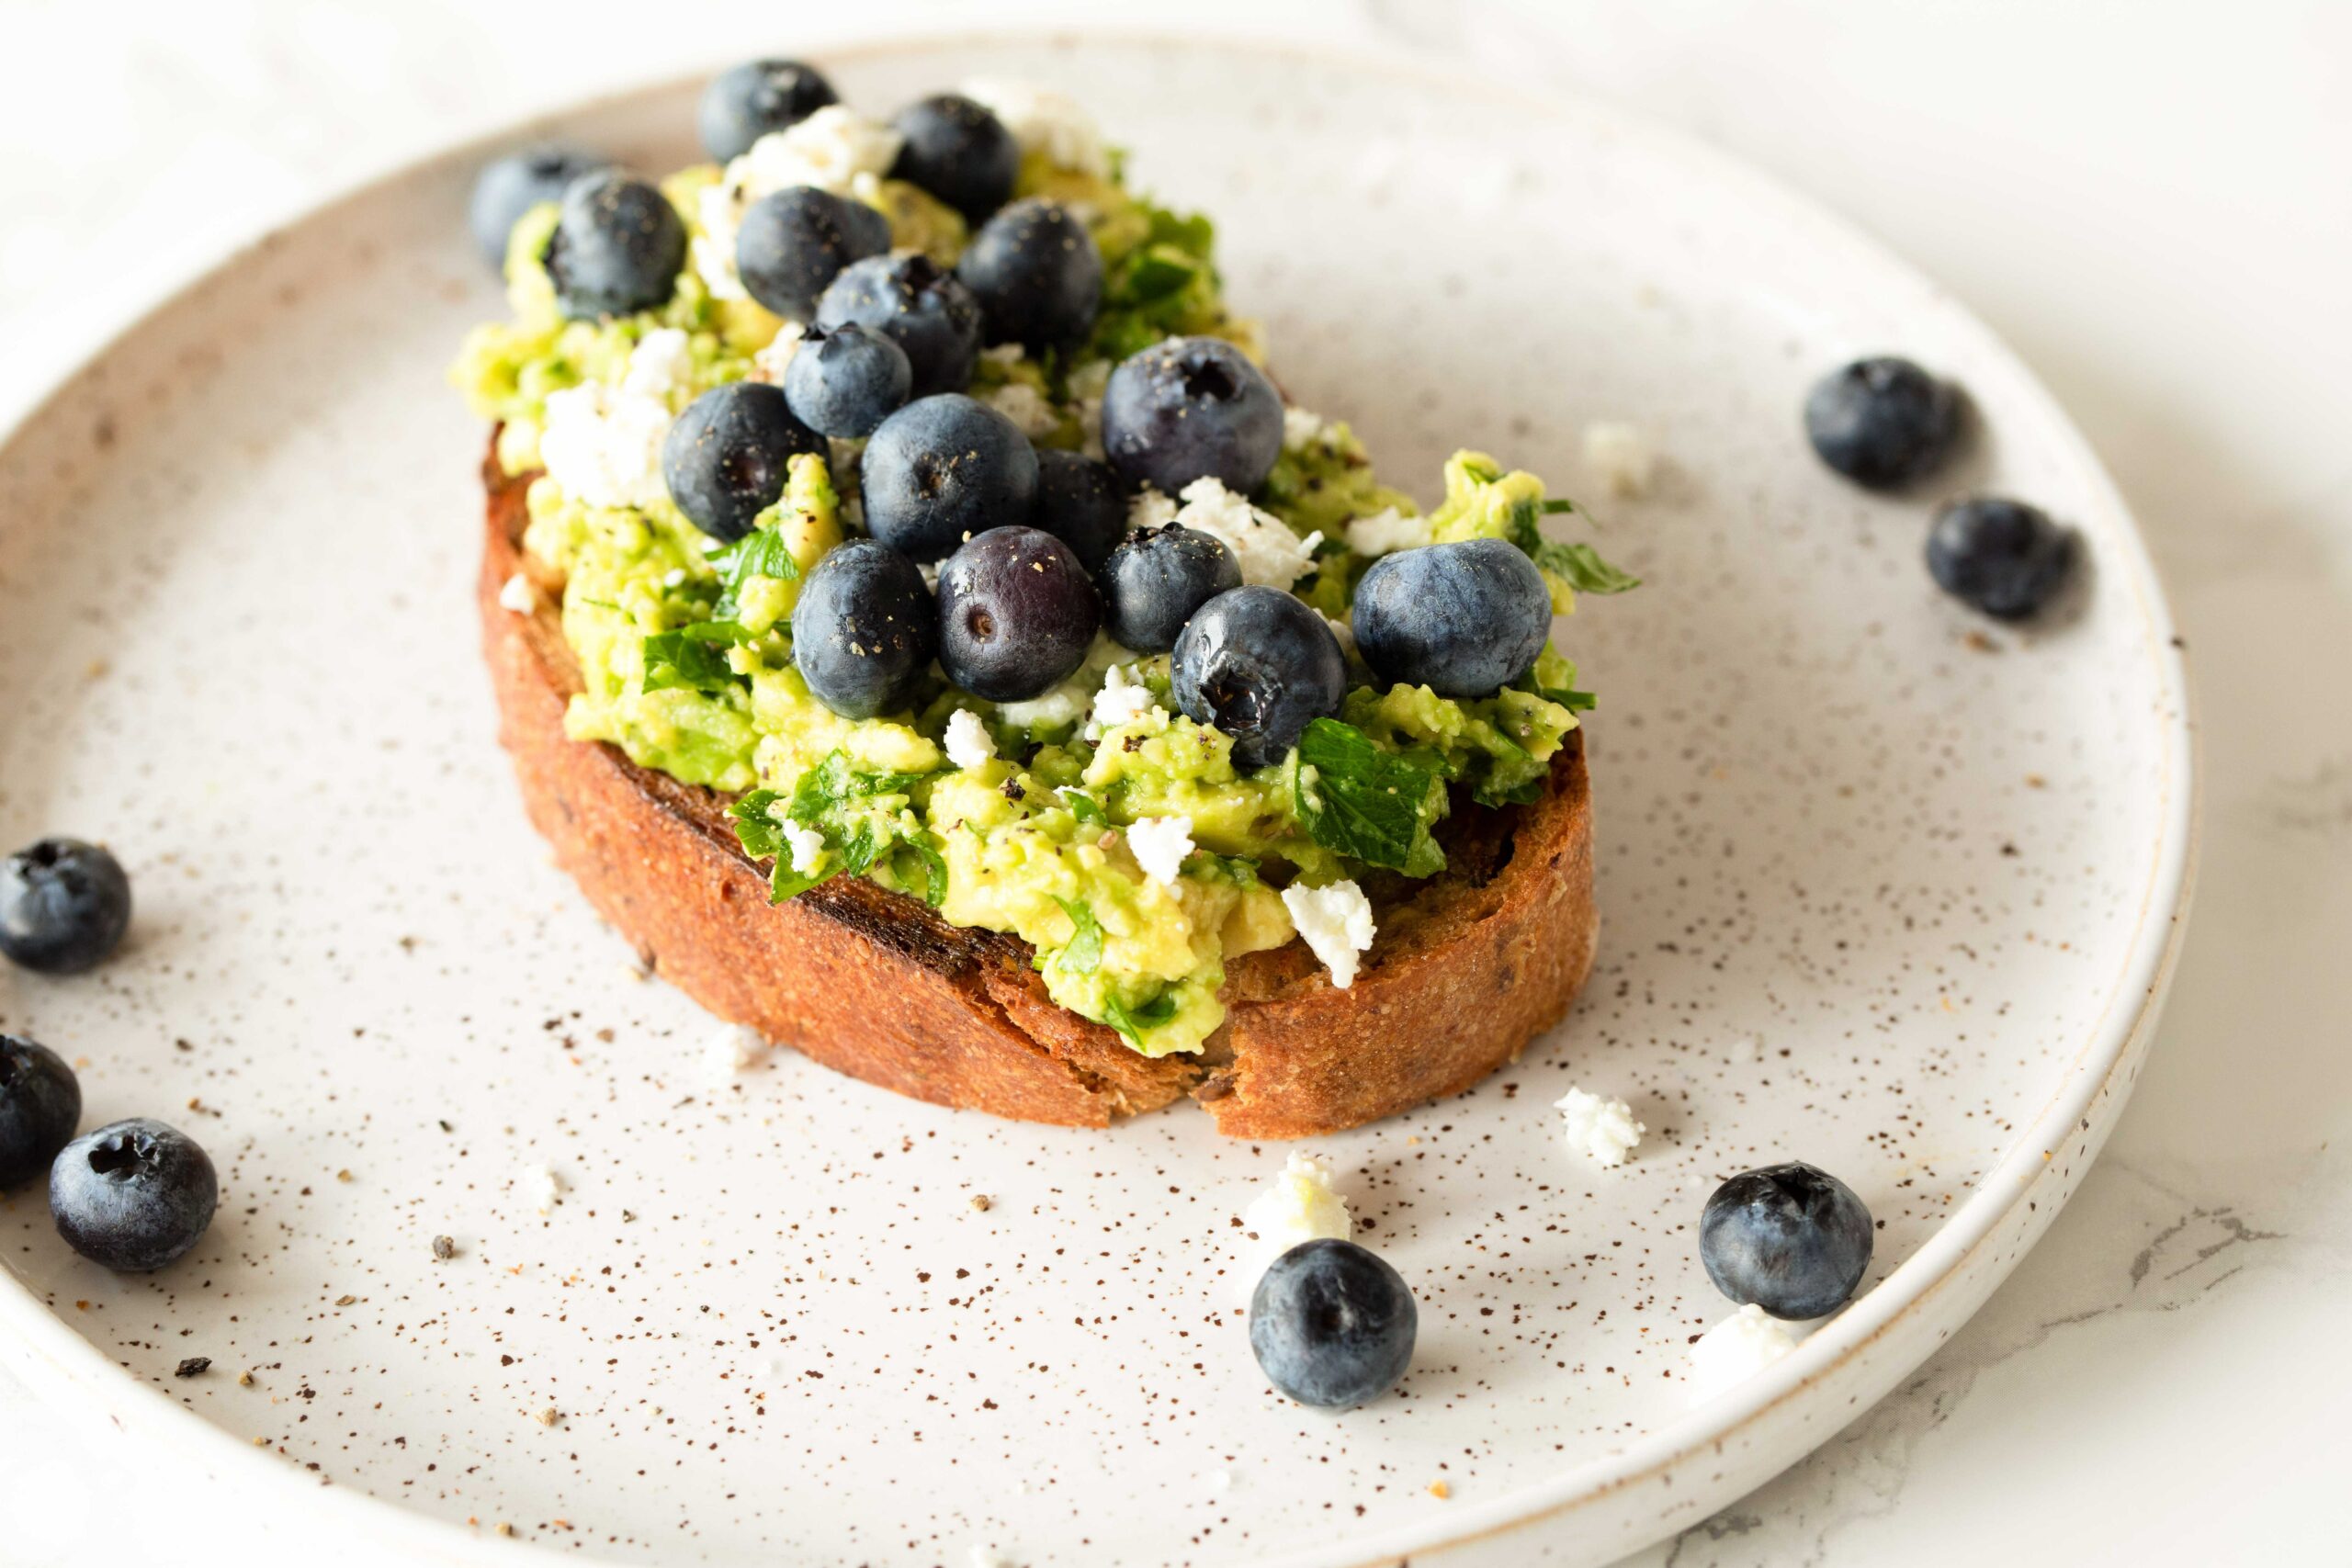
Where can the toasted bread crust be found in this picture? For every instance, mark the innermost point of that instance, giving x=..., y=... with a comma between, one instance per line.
x=1467, y=968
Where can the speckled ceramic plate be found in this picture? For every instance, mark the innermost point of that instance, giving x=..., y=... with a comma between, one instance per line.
x=1885, y=888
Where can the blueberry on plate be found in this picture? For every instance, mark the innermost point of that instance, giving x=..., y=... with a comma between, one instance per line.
x=1192, y=408
x=507, y=187
x=958, y=151
x=133, y=1195
x=1080, y=503
x=1789, y=1238
x=1016, y=614
x=795, y=242
x=845, y=381
x=617, y=248
x=863, y=630
x=1258, y=665
x=2002, y=556
x=1036, y=274
x=1883, y=422
x=63, y=906
x=1332, y=1324
x=1157, y=578
x=943, y=469
x=1463, y=619
x=41, y=1104
x=727, y=457
x=744, y=104
x=924, y=310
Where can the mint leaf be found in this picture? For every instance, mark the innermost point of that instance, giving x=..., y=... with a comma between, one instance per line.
x=1083, y=806
x=1569, y=698
x=833, y=780
x=1366, y=803
x=1084, y=953
x=1131, y=1024
x=692, y=657
x=1558, y=504
x=935, y=869
x=761, y=838
x=1581, y=568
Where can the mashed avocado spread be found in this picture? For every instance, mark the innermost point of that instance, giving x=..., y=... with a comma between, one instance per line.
x=1021, y=816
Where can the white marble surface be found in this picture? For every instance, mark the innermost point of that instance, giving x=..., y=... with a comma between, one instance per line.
x=2158, y=215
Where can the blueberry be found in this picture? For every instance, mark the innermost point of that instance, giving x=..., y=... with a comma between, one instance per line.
x=727, y=457
x=2002, y=556
x=863, y=630
x=616, y=249
x=924, y=310
x=943, y=469
x=1332, y=1324
x=1789, y=1238
x=1016, y=614
x=959, y=152
x=1036, y=274
x=1157, y=578
x=63, y=906
x=1463, y=619
x=508, y=188
x=1192, y=407
x=1882, y=422
x=133, y=1195
x=1258, y=664
x=744, y=104
x=793, y=244
x=846, y=382
x=41, y=1104
x=1080, y=503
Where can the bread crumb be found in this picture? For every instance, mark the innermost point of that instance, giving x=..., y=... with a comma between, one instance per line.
x=1441, y=1490
x=982, y=1203
x=549, y=1416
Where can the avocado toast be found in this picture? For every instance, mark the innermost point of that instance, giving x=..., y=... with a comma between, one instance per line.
x=803, y=635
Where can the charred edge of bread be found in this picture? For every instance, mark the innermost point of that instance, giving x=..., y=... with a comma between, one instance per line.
x=1468, y=966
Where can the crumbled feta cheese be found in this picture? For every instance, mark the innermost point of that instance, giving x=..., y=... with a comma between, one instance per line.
x=1736, y=1349
x=968, y=742
x=1301, y=428
x=1618, y=453
x=540, y=1187
x=1025, y=406
x=1006, y=354
x=518, y=595
x=1150, y=509
x=1344, y=633
x=804, y=845
x=1387, y=531
x=768, y=364
x=1605, y=1129
x=1043, y=120
x=1269, y=552
x=830, y=150
x=1067, y=703
x=661, y=363
x=1086, y=385
x=929, y=572
x=1123, y=700
x=1159, y=845
x=1298, y=1206
x=729, y=1051
x=602, y=445
x=1336, y=922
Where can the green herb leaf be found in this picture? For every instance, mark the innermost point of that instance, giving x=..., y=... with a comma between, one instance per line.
x=935, y=869
x=761, y=836
x=1084, y=953
x=833, y=780
x=692, y=657
x=1570, y=699
x=1581, y=568
x=1364, y=802
x=1133, y=1023
x=1083, y=806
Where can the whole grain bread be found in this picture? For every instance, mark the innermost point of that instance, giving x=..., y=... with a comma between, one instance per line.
x=1468, y=966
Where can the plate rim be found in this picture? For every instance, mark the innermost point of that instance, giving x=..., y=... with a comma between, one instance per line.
x=59, y=1363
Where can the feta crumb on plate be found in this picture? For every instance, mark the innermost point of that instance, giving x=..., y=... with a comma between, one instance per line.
x=1387, y=531
x=540, y=1187
x=518, y=595
x=1605, y=1129
x=969, y=743
x=1298, y=1206
x=1159, y=845
x=727, y=1052
x=1335, y=920
x=1620, y=456
x=1736, y=1349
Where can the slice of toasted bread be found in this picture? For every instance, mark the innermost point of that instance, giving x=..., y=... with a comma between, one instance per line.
x=1468, y=966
